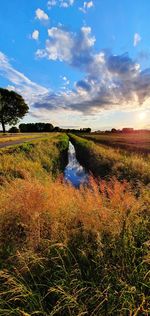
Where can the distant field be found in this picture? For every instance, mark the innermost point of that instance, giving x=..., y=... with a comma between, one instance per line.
x=13, y=137
x=138, y=142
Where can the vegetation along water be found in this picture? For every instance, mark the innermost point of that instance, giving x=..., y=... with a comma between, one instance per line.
x=68, y=248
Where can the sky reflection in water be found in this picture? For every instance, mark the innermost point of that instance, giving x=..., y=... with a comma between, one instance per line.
x=74, y=172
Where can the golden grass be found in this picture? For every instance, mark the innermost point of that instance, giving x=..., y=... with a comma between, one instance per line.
x=54, y=209
x=67, y=251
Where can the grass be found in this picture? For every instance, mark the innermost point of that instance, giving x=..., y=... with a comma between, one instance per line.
x=4, y=138
x=35, y=158
x=132, y=142
x=73, y=252
x=107, y=162
x=69, y=252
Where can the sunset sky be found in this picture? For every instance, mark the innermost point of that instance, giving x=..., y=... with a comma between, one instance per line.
x=78, y=63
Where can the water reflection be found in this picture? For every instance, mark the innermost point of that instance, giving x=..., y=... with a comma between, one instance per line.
x=74, y=172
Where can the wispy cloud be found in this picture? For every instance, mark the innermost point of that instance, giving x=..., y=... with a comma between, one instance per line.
x=30, y=90
x=86, y=6
x=60, y=3
x=137, y=39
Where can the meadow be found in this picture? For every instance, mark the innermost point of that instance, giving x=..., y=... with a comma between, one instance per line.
x=67, y=251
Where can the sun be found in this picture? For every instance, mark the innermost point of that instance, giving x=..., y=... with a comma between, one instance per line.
x=142, y=115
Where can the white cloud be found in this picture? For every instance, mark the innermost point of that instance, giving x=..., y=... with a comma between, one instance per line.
x=41, y=15
x=86, y=5
x=111, y=81
x=60, y=3
x=30, y=90
x=137, y=39
x=52, y=3
x=65, y=80
x=35, y=35
x=67, y=46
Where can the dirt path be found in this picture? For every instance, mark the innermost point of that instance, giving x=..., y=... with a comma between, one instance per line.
x=17, y=142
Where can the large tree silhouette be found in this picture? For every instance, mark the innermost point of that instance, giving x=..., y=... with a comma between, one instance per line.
x=12, y=107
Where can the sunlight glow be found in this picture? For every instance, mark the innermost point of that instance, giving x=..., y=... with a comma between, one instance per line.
x=142, y=115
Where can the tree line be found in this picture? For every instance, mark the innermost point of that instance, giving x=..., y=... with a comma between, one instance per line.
x=13, y=108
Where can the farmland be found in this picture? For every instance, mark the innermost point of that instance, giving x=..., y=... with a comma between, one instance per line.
x=67, y=251
x=135, y=142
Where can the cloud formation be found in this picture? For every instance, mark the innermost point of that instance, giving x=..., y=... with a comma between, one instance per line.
x=62, y=45
x=41, y=15
x=111, y=81
x=30, y=90
x=137, y=39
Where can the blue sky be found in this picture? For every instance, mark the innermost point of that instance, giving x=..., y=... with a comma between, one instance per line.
x=78, y=63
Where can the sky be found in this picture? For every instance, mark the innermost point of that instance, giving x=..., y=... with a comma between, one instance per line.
x=78, y=63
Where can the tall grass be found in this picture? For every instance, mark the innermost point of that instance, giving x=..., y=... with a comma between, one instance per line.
x=107, y=162
x=73, y=252
x=69, y=252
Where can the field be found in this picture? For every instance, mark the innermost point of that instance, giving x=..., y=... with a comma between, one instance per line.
x=73, y=252
x=135, y=141
x=14, y=139
x=107, y=162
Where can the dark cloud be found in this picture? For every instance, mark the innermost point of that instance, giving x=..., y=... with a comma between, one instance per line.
x=121, y=64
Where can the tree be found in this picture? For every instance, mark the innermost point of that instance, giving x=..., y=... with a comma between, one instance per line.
x=14, y=129
x=12, y=107
x=36, y=127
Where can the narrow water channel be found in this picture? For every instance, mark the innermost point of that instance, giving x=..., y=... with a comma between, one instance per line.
x=74, y=172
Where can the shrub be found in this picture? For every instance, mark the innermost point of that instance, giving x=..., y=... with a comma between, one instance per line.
x=14, y=129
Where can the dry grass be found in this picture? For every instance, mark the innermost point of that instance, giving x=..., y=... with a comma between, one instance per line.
x=69, y=252
x=14, y=137
x=75, y=252
x=102, y=207
x=132, y=142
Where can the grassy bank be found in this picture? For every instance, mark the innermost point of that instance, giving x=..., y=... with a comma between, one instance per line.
x=69, y=252
x=107, y=162
x=37, y=158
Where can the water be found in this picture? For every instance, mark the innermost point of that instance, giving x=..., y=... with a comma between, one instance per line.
x=74, y=172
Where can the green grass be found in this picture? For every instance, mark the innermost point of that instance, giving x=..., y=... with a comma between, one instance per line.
x=35, y=158
x=107, y=162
